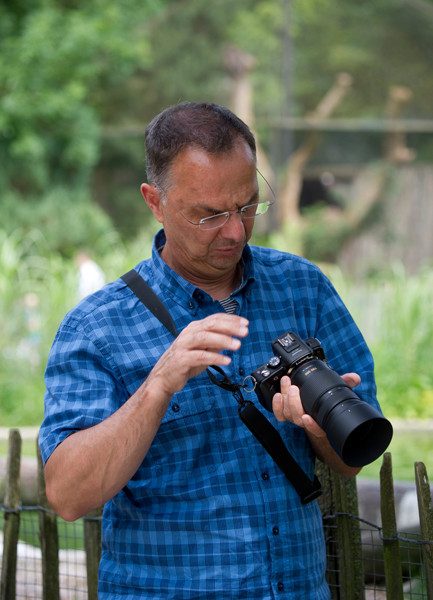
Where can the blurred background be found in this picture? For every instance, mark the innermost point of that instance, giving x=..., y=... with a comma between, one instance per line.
x=339, y=97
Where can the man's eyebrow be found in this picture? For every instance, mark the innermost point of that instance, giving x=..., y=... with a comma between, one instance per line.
x=209, y=209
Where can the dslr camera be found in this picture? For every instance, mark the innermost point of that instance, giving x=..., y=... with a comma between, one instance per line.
x=357, y=431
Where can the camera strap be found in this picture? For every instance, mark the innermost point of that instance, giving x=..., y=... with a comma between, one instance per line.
x=270, y=439
x=256, y=422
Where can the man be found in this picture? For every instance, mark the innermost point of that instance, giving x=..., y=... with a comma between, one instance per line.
x=194, y=506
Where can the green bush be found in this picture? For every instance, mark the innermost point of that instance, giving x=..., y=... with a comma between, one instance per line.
x=37, y=288
x=64, y=218
x=394, y=311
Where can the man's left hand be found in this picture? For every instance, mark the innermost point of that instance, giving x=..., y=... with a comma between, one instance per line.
x=287, y=406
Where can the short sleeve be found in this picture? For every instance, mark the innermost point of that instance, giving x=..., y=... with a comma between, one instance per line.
x=81, y=388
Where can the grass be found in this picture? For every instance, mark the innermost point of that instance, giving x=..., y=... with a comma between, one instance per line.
x=394, y=312
x=71, y=535
x=37, y=288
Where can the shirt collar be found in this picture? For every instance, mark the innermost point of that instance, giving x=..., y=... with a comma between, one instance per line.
x=162, y=276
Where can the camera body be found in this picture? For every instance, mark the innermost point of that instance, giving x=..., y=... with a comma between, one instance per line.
x=356, y=430
x=289, y=353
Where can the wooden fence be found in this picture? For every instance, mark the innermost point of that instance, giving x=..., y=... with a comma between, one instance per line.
x=339, y=504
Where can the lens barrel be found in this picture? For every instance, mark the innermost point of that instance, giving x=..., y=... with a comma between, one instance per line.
x=357, y=431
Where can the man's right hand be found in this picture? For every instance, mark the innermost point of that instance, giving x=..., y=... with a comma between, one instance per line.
x=197, y=347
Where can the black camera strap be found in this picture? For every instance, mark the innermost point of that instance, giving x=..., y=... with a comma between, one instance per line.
x=256, y=422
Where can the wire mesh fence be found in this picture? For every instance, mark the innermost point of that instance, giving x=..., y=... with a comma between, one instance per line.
x=29, y=569
x=73, y=570
x=373, y=561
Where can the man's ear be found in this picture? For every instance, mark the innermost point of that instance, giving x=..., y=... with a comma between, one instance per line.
x=153, y=200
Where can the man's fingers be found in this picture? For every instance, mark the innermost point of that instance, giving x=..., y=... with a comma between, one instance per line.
x=223, y=323
x=287, y=404
x=217, y=332
x=352, y=379
x=310, y=425
x=198, y=346
x=211, y=340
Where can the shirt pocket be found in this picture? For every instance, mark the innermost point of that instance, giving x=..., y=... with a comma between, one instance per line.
x=185, y=449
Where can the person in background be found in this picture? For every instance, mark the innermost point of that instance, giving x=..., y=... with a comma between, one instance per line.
x=90, y=275
x=194, y=507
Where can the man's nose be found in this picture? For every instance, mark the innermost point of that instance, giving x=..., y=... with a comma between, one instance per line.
x=234, y=228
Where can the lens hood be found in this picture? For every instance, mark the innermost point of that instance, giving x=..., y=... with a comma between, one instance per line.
x=357, y=432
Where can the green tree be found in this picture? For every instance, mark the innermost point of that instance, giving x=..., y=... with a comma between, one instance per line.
x=80, y=80
x=58, y=64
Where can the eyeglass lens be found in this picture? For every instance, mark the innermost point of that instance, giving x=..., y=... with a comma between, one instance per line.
x=247, y=212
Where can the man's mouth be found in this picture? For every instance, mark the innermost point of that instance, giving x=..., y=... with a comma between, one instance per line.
x=229, y=250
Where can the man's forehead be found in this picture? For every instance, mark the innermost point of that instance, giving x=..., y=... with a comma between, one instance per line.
x=199, y=156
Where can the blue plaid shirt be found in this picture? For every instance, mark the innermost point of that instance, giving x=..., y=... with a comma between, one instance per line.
x=208, y=514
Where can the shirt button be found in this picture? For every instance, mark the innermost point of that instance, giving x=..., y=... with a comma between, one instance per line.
x=175, y=408
x=265, y=476
x=200, y=296
x=280, y=586
x=241, y=371
x=275, y=531
x=191, y=305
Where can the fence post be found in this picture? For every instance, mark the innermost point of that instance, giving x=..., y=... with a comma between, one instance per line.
x=349, y=537
x=92, y=542
x=11, y=517
x=49, y=540
x=391, y=546
x=327, y=506
x=426, y=522
x=341, y=499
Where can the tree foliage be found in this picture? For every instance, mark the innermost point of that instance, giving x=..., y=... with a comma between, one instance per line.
x=58, y=64
x=77, y=77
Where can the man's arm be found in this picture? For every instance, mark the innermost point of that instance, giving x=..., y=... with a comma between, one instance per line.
x=91, y=466
x=287, y=406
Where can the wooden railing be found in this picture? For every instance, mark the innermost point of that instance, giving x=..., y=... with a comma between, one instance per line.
x=342, y=524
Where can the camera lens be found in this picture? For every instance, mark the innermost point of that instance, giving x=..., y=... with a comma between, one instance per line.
x=357, y=431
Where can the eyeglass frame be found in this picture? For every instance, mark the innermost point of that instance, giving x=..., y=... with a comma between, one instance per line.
x=227, y=213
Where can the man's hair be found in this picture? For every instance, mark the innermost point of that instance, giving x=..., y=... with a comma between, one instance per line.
x=206, y=126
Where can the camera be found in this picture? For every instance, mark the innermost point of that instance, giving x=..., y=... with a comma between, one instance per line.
x=357, y=431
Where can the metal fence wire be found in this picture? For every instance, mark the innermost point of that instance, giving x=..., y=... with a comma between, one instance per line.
x=73, y=570
x=29, y=568
x=373, y=561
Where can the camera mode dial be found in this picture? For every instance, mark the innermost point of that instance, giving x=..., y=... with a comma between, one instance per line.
x=274, y=362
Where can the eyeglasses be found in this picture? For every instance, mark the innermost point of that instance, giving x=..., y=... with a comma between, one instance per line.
x=250, y=211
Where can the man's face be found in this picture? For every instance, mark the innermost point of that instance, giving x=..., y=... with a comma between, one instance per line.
x=202, y=185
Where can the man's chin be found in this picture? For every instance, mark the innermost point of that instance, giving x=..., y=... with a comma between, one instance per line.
x=227, y=259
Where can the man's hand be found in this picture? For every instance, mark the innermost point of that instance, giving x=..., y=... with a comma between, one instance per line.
x=197, y=347
x=287, y=406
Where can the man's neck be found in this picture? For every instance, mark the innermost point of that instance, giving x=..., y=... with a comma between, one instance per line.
x=222, y=289
x=218, y=287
